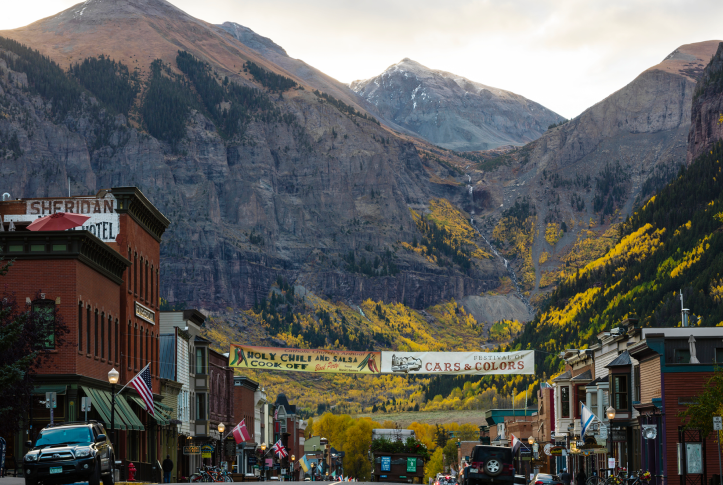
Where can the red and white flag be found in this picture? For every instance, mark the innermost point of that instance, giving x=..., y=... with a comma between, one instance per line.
x=142, y=383
x=276, y=414
x=279, y=449
x=240, y=433
x=515, y=443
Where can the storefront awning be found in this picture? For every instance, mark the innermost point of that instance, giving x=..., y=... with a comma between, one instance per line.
x=161, y=416
x=59, y=389
x=100, y=406
x=124, y=419
x=128, y=414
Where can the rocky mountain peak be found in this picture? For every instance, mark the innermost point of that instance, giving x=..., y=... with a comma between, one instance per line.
x=252, y=39
x=452, y=111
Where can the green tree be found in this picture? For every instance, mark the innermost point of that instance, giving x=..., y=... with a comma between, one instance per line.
x=450, y=453
x=434, y=465
x=708, y=404
x=21, y=328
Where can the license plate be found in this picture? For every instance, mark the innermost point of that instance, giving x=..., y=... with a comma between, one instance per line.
x=56, y=469
x=473, y=470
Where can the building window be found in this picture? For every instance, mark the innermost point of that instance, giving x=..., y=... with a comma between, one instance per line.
x=140, y=293
x=128, y=349
x=117, y=341
x=636, y=383
x=682, y=356
x=140, y=338
x=620, y=392
x=145, y=283
x=128, y=276
x=135, y=273
x=200, y=361
x=565, y=402
x=80, y=326
x=201, y=407
x=95, y=334
x=87, y=330
x=110, y=339
x=593, y=403
x=719, y=355
x=102, y=335
x=44, y=311
x=153, y=287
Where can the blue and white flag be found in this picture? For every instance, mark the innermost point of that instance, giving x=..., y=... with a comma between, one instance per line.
x=586, y=419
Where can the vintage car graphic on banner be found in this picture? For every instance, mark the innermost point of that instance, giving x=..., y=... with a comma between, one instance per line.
x=304, y=360
x=520, y=362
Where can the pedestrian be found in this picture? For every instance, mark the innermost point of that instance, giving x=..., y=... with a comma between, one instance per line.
x=167, y=469
x=565, y=477
x=581, y=477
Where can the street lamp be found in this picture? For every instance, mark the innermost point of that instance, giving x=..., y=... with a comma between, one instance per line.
x=263, y=460
x=221, y=428
x=610, y=411
x=113, y=376
x=293, y=457
x=531, y=440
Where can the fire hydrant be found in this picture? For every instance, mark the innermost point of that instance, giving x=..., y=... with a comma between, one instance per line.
x=131, y=472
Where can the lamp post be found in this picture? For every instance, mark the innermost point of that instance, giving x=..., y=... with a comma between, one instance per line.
x=113, y=376
x=610, y=412
x=263, y=460
x=293, y=457
x=221, y=428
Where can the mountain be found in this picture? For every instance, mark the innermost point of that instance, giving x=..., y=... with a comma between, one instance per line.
x=452, y=111
x=262, y=173
x=554, y=205
x=673, y=244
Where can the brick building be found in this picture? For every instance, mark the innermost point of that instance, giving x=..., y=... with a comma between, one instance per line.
x=104, y=281
x=245, y=408
x=674, y=367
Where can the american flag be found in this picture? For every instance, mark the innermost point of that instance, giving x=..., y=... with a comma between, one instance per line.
x=142, y=384
x=279, y=449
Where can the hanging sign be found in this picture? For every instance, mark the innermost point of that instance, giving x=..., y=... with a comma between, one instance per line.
x=478, y=363
x=304, y=360
x=206, y=451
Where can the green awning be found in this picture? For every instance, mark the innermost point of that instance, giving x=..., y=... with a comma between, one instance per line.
x=59, y=389
x=106, y=399
x=160, y=416
x=128, y=414
x=167, y=409
x=97, y=403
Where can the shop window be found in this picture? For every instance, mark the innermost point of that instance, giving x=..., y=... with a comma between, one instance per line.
x=102, y=335
x=682, y=356
x=620, y=392
x=80, y=326
x=44, y=311
x=135, y=273
x=565, y=402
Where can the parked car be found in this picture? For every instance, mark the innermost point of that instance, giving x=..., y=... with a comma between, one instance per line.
x=545, y=479
x=68, y=453
x=490, y=464
x=520, y=480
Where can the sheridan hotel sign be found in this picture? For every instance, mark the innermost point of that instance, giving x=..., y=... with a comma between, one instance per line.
x=145, y=313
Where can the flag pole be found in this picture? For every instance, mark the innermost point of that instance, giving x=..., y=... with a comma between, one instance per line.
x=132, y=379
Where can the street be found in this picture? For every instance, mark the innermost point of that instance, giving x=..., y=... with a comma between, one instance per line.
x=20, y=481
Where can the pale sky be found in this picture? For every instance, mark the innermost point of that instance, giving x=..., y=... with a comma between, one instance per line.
x=564, y=54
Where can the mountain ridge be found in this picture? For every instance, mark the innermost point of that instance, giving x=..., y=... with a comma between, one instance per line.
x=450, y=110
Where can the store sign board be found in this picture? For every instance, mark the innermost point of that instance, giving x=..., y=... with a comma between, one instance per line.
x=386, y=463
x=191, y=450
x=104, y=221
x=411, y=465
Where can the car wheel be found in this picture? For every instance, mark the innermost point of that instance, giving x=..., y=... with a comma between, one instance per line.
x=94, y=478
x=493, y=467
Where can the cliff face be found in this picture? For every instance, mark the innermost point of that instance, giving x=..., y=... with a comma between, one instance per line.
x=707, y=113
x=451, y=111
x=589, y=172
x=289, y=199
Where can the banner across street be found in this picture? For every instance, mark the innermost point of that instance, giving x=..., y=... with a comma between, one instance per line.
x=350, y=362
